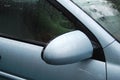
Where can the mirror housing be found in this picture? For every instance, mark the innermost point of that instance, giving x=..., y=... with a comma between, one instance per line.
x=68, y=48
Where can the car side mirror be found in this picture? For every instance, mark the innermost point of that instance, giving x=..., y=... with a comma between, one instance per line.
x=68, y=48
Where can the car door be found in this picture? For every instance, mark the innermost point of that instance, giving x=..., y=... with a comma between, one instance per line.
x=27, y=27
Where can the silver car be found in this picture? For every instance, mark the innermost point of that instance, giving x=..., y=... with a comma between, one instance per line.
x=59, y=40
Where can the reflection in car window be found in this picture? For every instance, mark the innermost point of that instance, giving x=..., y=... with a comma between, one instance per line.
x=105, y=12
x=32, y=19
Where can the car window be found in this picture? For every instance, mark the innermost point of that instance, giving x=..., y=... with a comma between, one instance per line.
x=3, y=78
x=35, y=20
x=105, y=12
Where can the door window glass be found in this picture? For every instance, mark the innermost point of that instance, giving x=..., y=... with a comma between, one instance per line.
x=3, y=78
x=35, y=20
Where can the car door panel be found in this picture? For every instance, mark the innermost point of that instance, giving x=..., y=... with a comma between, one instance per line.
x=24, y=59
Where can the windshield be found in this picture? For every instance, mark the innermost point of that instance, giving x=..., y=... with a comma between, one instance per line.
x=105, y=12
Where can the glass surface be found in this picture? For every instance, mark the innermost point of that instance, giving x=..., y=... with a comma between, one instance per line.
x=105, y=12
x=3, y=78
x=35, y=20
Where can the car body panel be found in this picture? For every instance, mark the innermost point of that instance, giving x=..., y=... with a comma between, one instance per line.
x=112, y=54
x=23, y=59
